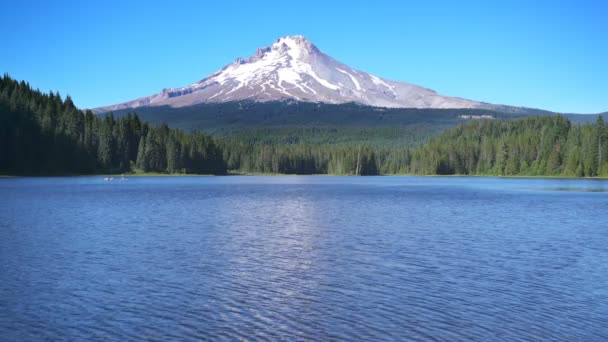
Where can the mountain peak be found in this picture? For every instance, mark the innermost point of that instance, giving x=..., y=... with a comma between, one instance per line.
x=299, y=39
x=293, y=68
x=292, y=47
x=296, y=42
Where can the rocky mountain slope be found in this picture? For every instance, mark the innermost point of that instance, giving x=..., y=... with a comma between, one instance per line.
x=294, y=69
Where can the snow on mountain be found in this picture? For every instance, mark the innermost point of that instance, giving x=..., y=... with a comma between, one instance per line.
x=295, y=69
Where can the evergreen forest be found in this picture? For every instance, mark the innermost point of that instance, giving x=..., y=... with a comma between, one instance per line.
x=45, y=134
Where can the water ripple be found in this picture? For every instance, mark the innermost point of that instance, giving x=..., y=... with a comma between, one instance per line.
x=316, y=258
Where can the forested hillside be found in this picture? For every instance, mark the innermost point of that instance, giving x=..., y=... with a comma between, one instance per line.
x=222, y=118
x=550, y=146
x=534, y=146
x=322, y=150
x=43, y=134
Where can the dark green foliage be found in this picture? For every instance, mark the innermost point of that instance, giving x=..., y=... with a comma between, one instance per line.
x=223, y=118
x=322, y=150
x=535, y=146
x=43, y=134
x=227, y=117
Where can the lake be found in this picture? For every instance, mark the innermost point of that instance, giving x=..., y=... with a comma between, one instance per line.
x=303, y=258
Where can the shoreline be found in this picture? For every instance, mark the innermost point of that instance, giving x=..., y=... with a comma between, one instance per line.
x=127, y=175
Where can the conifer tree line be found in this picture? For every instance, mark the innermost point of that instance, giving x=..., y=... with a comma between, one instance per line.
x=535, y=146
x=43, y=134
x=300, y=158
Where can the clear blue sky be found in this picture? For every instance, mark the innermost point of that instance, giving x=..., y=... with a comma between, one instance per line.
x=544, y=54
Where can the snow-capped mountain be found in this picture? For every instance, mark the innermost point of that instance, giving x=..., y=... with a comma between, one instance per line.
x=295, y=69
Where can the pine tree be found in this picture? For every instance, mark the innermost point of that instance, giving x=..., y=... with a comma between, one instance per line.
x=107, y=143
x=142, y=162
x=601, y=144
x=173, y=156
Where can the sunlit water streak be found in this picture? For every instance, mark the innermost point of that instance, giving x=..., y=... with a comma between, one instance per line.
x=378, y=258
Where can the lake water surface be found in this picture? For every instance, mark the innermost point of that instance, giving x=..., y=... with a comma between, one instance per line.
x=300, y=258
